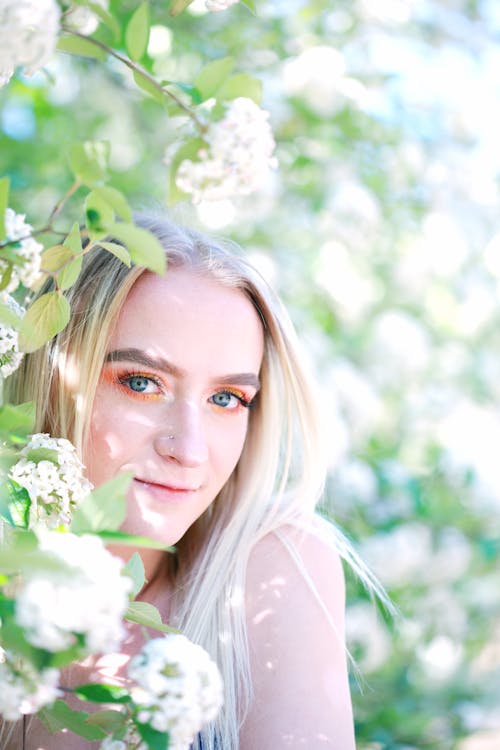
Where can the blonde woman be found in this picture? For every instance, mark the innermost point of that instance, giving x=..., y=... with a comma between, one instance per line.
x=193, y=382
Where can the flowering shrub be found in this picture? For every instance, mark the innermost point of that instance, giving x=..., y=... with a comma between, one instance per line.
x=25, y=690
x=237, y=156
x=25, y=268
x=10, y=356
x=178, y=688
x=28, y=34
x=85, y=607
x=50, y=470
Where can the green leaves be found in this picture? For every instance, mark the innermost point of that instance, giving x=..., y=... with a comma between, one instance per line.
x=137, y=32
x=89, y=161
x=47, y=316
x=104, y=508
x=61, y=716
x=135, y=569
x=177, y=6
x=212, y=76
x=146, y=614
x=145, y=250
x=65, y=261
x=4, y=201
x=17, y=422
x=154, y=740
x=102, y=693
x=76, y=45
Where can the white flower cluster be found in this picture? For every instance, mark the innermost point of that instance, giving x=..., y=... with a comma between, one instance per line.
x=178, y=688
x=24, y=690
x=10, y=356
x=217, y=5
x=237, y=158
x=55, y=489
x=83, y=19
x=54, y=607
x=28, y=34
x=28, y=250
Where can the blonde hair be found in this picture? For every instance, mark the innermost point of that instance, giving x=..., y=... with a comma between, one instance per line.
x=279, y=476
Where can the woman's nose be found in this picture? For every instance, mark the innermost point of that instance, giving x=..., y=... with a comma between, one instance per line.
x=183, y=438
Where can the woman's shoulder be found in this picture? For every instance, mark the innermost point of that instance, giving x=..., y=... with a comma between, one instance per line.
x=295, y=600
x=298, y=565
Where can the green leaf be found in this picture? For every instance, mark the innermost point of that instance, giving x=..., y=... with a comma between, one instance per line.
x=154, y=739
x=5, y=506
x=99, y=215
x=43, y=454
x=60, y=259
x=189, y=151
x=132, y=540
x=6, y=275
x=48, y=315
x=8, y=317
x=116, y=200
x=108, y=720
x=75, y=45
x=13, y=638
x=241, y=84
x=177, y=6
x=102, y=693
x=121, y=252
x=4, y=202
x=107, y=18
x=146, y=614
x=212, y=76
x=144, y=248
x=74, y=239
x=135, y=569
x=137, y=32
x=61, y=716
x=17, y=422
x=89, y=161
x=250, y=4
x=19, y=503
x=148, y=86
x=104, y=508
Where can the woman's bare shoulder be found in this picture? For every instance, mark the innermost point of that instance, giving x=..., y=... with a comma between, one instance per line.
x=295, y=617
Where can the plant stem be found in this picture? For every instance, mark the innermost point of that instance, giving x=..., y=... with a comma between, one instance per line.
x=144, y=74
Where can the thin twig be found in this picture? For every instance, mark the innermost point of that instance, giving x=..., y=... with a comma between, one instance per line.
x=142, y=72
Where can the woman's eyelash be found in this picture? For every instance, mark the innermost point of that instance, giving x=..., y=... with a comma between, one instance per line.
x=248, y=403
x=124, y=378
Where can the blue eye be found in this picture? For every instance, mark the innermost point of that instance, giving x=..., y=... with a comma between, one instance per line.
x=138, y=383
x=223, y=398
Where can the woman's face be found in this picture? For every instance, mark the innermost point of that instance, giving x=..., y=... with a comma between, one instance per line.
x=173, y=399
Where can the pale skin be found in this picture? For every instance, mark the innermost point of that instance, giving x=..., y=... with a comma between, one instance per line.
x=172, y=408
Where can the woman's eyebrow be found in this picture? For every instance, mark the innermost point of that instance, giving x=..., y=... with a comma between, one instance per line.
x=159, y=363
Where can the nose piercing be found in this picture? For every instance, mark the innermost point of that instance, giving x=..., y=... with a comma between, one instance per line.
x=170, y=437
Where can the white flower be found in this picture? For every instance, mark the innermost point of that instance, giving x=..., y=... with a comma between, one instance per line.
x=54, y=607
x=237, y=158
x=178, y=688
x=217, y=5
x=28, y=34
x=24, y=690
x=28, y=251
x=10, y=356
x=55, y=490
x=83, y=19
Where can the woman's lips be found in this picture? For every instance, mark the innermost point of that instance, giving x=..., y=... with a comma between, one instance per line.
x=166, y=491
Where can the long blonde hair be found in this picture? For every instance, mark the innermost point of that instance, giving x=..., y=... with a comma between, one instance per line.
x=279, y=476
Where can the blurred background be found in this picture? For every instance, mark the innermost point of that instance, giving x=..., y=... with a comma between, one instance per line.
x=381, y=231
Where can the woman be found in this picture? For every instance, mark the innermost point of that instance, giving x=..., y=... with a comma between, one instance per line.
x=192, y=382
